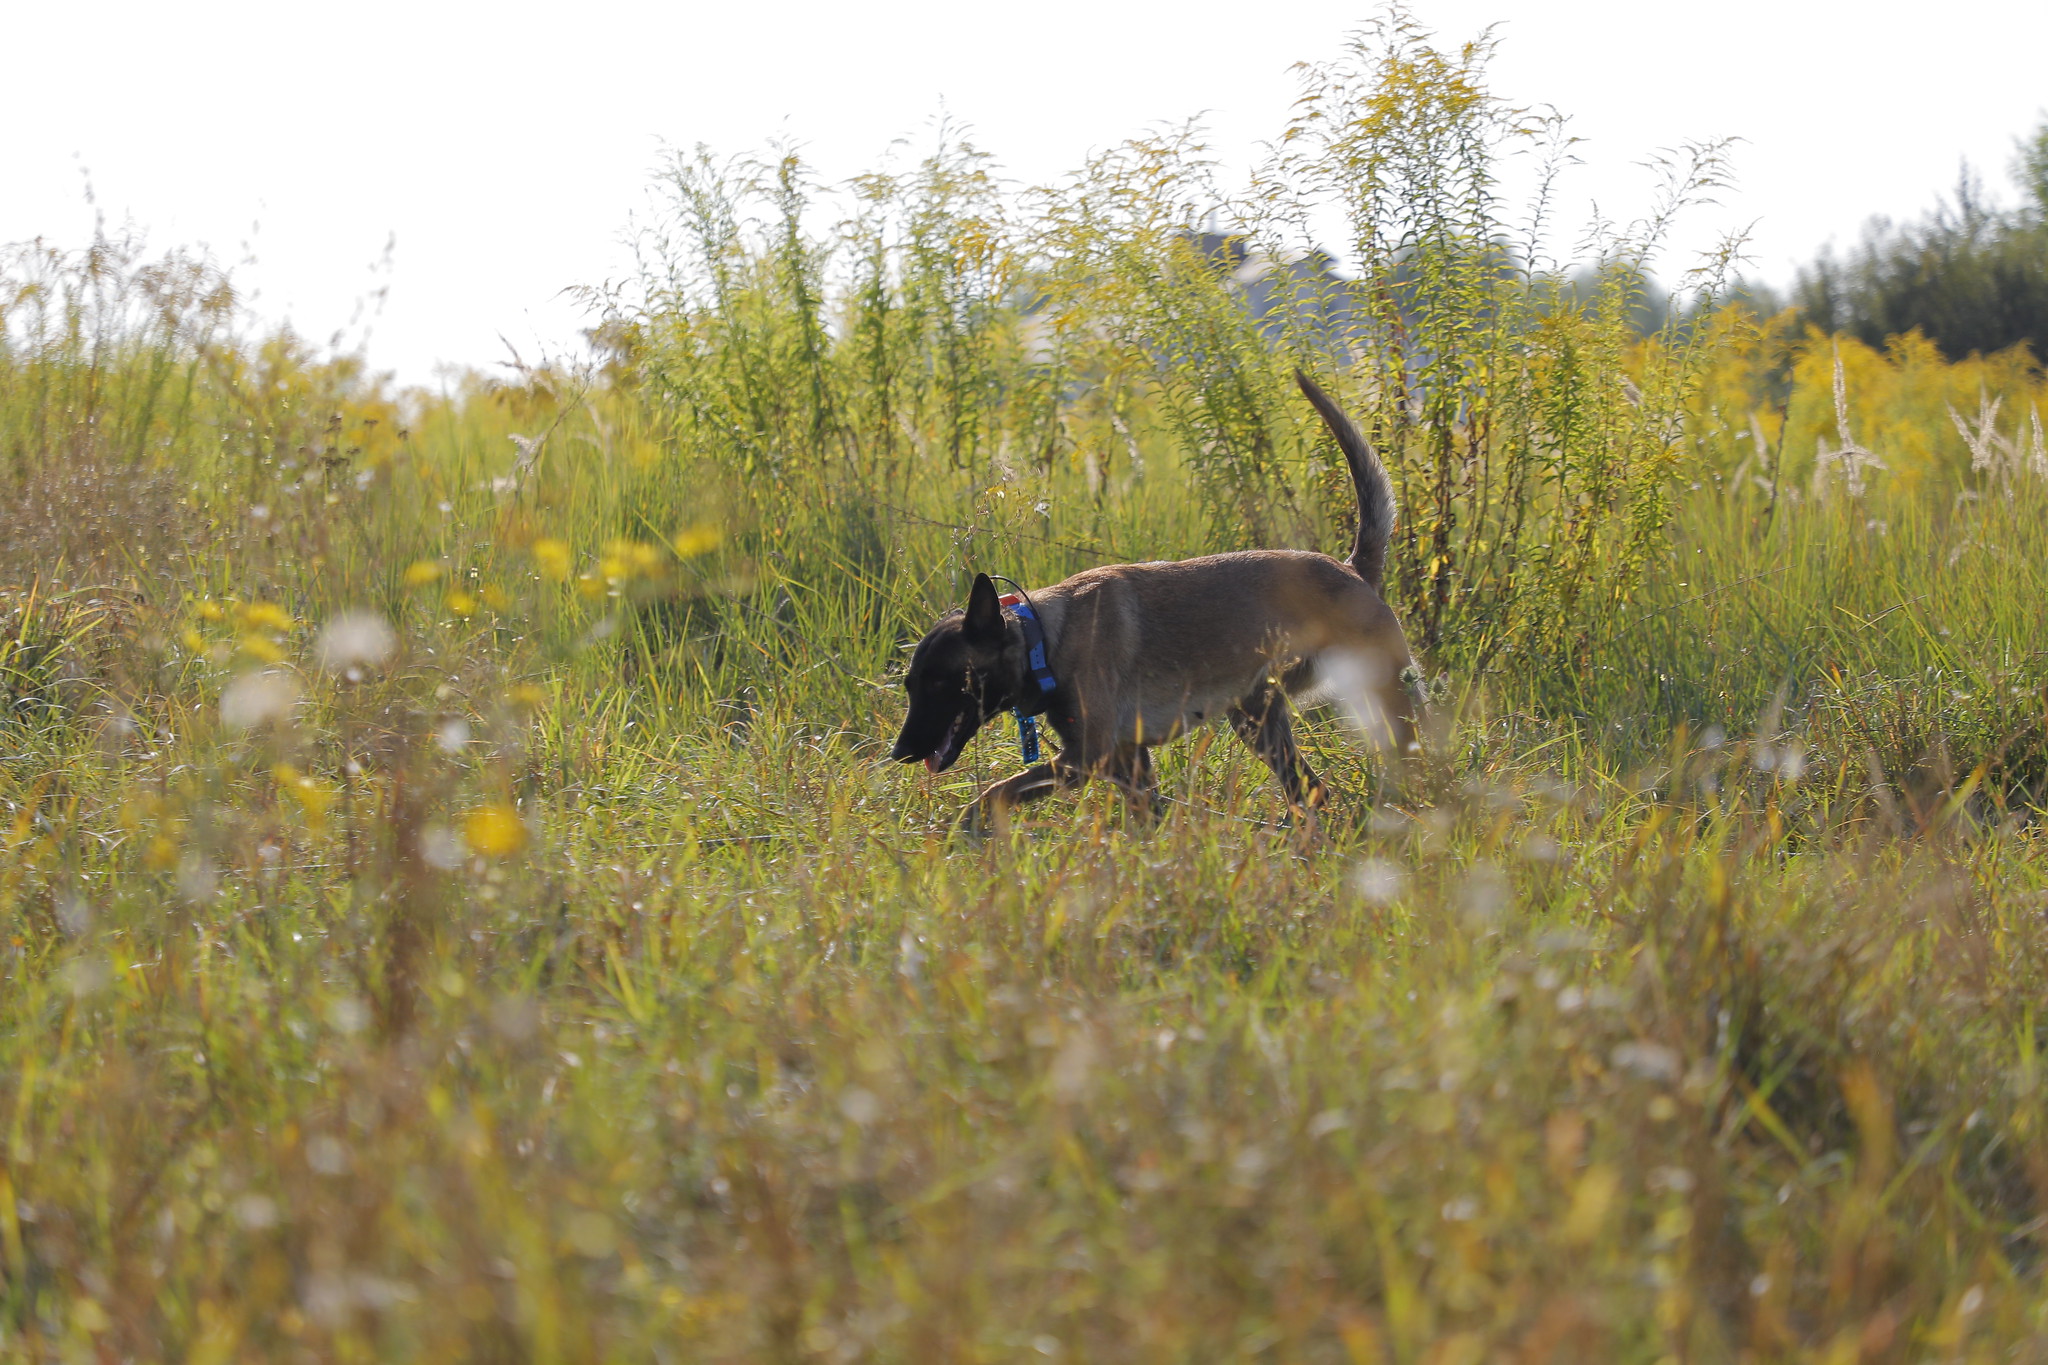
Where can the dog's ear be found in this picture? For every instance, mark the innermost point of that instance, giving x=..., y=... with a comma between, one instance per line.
x=984, y=611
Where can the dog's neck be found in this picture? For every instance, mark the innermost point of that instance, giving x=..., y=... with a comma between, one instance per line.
x=1031, y=637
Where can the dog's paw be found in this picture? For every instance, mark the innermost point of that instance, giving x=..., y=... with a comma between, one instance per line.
x=1300, y=822
x=974, y=824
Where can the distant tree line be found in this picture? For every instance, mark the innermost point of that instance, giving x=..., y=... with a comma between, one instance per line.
x=1972, y=277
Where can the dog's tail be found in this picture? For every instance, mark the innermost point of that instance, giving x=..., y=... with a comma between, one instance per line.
x=1368, y=477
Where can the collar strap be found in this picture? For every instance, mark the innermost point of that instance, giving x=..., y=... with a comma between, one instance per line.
x=1034, y=645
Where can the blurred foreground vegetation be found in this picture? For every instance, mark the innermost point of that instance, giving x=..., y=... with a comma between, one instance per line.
x=456, y=906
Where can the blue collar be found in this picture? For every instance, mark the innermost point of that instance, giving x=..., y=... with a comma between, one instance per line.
x=1034, y=648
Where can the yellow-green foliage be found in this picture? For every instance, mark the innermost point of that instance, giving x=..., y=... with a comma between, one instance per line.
x=1768, y=405
x=837, y=381
x=453, y=904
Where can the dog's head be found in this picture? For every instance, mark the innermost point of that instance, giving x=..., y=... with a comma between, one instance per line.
x=961, y=673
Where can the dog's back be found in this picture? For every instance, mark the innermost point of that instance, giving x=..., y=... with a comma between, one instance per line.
x=1178, y=642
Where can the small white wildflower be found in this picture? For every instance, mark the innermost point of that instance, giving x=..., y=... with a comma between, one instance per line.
x=441, y=848
x=1071, y=1066
x=86, y=975
x=261, y=698
x=452, y=736
x=74, y=914
x=1787, y=761
x=1377, y=881
x=347, y=1014
x=1485, y=894
x=198, y=882
x=356, y=639
x=1651, y=1061
x=326, y=1156
x=255, y=1212
x=860, y=1106
x=1677, y=1179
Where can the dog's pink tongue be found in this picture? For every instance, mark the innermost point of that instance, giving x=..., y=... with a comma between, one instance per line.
x=931, y=763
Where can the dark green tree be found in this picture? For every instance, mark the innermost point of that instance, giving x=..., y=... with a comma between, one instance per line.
x=1972, y=277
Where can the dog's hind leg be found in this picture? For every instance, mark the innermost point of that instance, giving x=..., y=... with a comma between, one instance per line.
x=1266, y=725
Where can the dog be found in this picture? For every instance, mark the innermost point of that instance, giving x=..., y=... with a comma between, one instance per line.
x=1126, y=656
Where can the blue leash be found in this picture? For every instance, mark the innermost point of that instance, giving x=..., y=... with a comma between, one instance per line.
x=1027, y=737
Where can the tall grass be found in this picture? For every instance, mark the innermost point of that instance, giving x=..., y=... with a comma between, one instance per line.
x=454, y=905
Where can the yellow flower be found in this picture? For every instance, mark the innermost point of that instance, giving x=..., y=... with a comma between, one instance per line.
x=552, y=558
x=1591, y=1199
x=494, y=597
x=192, y=640
x=460, y=602
x=421, y=572
x=625, y=558
x=700, y=539
x=264, y=616
x=262, y=647
x=494, y=831
x=160, y=854
x=527, y=697
x=211, y=611
x=590, y=585
x=311, y=796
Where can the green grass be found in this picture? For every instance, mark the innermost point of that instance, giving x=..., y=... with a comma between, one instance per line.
x=742, y=1061
x=1591, y=1043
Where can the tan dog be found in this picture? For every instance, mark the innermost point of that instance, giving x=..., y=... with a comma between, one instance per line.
x=1126, y=656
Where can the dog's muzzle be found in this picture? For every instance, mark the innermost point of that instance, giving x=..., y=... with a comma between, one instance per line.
x=944, y=752
x=950, y=745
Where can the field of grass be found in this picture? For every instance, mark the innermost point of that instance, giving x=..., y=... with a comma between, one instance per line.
x=454, y=904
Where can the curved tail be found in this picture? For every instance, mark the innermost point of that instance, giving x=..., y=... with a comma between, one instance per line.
x=1368, y=477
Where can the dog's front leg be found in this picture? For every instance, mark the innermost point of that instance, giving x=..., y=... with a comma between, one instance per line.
x=1130, y=768
x=998, y=799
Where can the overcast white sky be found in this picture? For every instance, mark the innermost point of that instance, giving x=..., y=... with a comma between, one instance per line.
x=502, y=149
